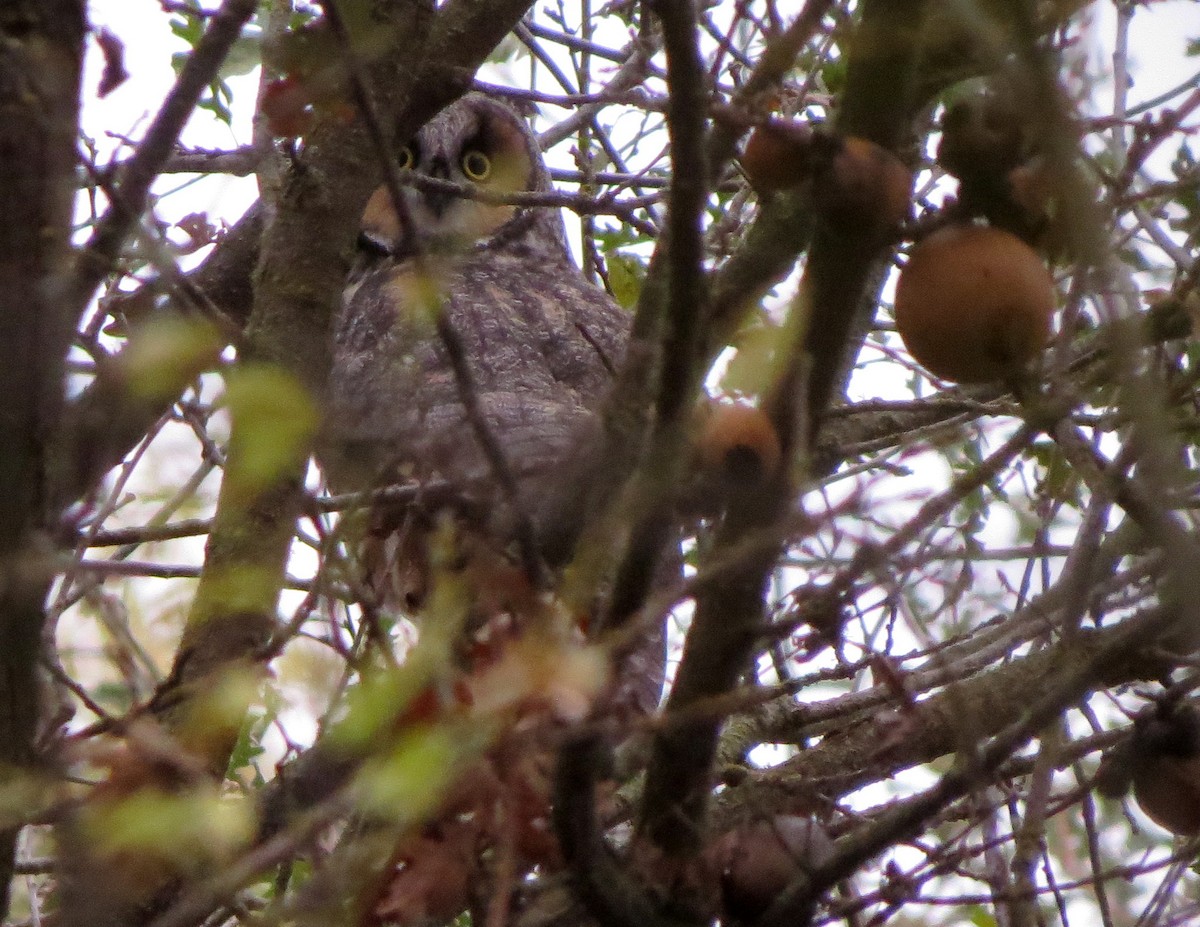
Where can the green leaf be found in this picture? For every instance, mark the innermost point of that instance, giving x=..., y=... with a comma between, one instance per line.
x=274, y=418
x=980, y=917
x=218, y=100
x=373, y=705
x=245, y=55
x=249, y=742
x=189, y=27
x=165, y=354
x=625, y=276
x=1059, y=480
x=181, y=827
x=113, y=694
x=409, y=781
x=754, y=364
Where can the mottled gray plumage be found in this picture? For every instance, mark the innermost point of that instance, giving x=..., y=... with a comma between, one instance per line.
x=538, y=337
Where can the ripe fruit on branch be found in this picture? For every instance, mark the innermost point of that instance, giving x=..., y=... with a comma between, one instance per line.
x=1166, y=768
x=973, y=304
x=1161, y=759
x=759, y=860
x=778, y=155
x=857, y=185
x=738, y=445
x=736, y=451
x=860, y=187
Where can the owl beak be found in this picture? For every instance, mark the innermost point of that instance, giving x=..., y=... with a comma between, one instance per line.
x=438, y=200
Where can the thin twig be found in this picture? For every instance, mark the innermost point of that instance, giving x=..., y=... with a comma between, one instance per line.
x=98, y=257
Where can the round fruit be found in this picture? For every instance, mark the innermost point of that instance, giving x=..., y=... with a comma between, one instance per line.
x=973, y=304
x=739, y=444
x=1166, y=767
x=981, y=136
x=778, y=155
x=862, y=187
x=760, y=860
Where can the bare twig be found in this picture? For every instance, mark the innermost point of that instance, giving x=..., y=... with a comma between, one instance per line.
x=98, y=257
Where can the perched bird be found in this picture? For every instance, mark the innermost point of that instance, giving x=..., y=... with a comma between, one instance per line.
x=538, y=341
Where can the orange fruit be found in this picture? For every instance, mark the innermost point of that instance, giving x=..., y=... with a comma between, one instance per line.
x=777, y=155
x=739, y=444
x=863, y=187
x=973, y=304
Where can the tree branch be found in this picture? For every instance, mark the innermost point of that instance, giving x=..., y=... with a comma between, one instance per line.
x=41, y=52
x=99, y=256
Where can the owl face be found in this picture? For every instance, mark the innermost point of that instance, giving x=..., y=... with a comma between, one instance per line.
x=476, y=143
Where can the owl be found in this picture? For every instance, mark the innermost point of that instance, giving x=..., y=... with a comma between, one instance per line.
x=539, y=340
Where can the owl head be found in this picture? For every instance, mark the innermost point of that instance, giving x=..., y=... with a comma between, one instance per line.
x=476, y=142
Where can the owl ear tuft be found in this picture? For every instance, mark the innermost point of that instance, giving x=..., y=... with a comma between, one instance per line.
x=524, y=108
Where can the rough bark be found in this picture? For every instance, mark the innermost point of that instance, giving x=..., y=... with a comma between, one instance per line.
x=41, y=49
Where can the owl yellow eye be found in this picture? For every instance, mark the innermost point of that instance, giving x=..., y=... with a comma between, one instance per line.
x=476, y=165
x=406, y=158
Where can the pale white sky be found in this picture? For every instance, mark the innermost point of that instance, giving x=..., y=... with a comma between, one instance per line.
x=1158, y=39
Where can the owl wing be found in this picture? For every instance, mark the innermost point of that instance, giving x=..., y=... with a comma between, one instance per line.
x=540, y=342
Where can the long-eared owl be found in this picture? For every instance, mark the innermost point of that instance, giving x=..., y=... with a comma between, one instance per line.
x=540, y=341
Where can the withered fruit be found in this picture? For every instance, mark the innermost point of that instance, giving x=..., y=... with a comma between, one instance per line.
x=738, y=445
x=861, y=186
x=973, y=304
x=778, y=155
x=990, y=145
x=981, y=136
x=759, y=860
x=1165, y=749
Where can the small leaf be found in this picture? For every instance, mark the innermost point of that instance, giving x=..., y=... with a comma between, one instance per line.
x=374, y=704
x=248, y=746
x=199, y=230
x=184, y=828
x=273, y=420
x=218, y=101
x=165, y=354
x=625, y=276
x=408, y=783
x=434, y=880
x=188, y=27
x=114, y=73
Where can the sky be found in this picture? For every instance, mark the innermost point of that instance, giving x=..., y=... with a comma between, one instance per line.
x=1157, y=62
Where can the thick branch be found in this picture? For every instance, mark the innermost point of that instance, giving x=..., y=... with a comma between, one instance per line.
x=41, y=49
x=686, y=293
x=880, y=104
x=725, y=629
